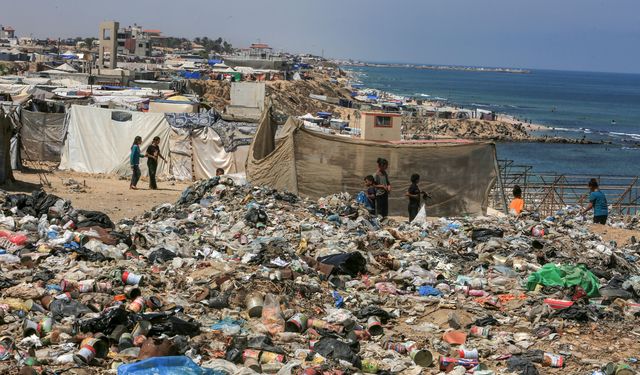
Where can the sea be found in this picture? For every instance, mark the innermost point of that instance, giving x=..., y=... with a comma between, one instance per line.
x=596, y=106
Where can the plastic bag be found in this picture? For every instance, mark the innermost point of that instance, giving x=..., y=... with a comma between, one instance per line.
x=166, y=366
x=421, y=217
x=271, y=315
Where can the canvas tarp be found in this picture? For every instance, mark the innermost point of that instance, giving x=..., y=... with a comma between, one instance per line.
x=6, y=131
x=99, y=140
x=459, y=176
x=42, y=135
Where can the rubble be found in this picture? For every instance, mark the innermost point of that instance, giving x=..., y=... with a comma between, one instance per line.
x=240, y=279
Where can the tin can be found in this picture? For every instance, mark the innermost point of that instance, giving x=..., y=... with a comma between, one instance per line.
x=254, y=302
x=395, y=346
x=132, y=291
x=553, y=360
x=477, y=331
x=68, y=285
x=29, y=327
x=86, y=286
x=445, y=362
x=317, y=324
x=421, y=357
x=45, y=326
x=103, y=287
x=250, y=354
x=64, y=297
x=624, y=369
x=91, y=348
x=154, y=303
x=46, y=301
x=369, y=366
x=125, y=341
x=297, y=323
x=374, y=326
x=141, y=328
x=137, y=305
x=129, y=278
x=270, y=357
x=468, y=353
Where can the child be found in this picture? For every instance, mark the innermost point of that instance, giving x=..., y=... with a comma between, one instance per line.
x=370, y=193
x=413, y=193
x=517, y=204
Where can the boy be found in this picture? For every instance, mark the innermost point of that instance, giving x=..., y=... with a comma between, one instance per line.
x=413, y=193
x=517, y=204
x=369, y=183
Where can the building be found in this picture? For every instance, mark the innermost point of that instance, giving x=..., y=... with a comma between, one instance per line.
x=7, y=32
x=378, y=126
x=107, y=36
x=134, y=41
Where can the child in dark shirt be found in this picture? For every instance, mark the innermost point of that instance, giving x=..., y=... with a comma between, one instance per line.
x=369, y=182
x=413, y=193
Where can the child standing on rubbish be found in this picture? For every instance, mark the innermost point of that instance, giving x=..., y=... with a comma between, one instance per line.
x=134, y=160
x=370, y=193
x=413, y=193
x=598, y=202
x=383, y=188
x=517, y=204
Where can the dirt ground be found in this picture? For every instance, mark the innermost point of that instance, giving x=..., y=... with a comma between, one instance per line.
x=105, y=193
x=621, y=236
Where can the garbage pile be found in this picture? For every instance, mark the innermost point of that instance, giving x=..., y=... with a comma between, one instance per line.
x=239, y=279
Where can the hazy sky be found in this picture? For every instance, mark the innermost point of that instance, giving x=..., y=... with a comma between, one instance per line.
x=596, y=35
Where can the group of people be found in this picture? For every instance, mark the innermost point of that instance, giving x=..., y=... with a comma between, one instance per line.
x=597, y=203
x=378, y=188
x=152, y=154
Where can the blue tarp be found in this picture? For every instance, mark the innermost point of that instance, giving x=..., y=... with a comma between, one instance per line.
x=324, y=114
x=166, y=366
x=214, y=61
x=190, y=75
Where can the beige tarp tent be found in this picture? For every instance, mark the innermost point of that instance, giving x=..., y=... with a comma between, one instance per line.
x=99, y=140
x=42, y=135
x=459, y=175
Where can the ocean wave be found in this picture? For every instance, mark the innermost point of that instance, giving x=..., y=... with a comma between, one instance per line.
x=630, y=148
x=632, y=135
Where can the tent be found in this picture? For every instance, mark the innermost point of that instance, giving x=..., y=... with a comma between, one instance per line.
x=195, y=144
x=42, y=135
x=458, y=175
x=99, y=140
x=6, y=132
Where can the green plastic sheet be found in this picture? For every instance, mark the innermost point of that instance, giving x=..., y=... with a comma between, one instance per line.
x=565, y=276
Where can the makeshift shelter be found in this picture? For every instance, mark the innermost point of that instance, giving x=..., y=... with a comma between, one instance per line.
x=99, y=140
x=42, y=135
x=202, y=142
x=458, y=175
x=6, y=132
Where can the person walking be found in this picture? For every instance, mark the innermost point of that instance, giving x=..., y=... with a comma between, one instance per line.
x=597, y=202
x=153, y=153
x=383, y=188
x=134, y=161
x=413, y=193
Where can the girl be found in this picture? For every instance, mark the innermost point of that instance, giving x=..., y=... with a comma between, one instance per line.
x=134, y=160
x=383, y=188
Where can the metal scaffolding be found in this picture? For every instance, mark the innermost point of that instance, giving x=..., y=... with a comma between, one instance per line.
x=550, y=192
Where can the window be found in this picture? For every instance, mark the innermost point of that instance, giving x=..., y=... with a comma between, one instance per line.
x=139, y=45
x=383, y=122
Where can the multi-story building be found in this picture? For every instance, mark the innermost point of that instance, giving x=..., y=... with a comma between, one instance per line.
x=133, y=40
x=7, y=32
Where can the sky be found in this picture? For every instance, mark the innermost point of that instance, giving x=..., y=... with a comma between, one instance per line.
x=587, y=35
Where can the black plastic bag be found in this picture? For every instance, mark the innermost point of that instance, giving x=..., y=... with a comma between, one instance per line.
x=348, y=264
x=161, y=255
x=329, y=347
x=485, y=234
x=93, y=218
x=372, y=310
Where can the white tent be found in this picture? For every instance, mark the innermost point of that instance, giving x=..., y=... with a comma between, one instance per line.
x=99, y=140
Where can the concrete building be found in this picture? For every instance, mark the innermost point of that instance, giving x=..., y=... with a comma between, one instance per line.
x=378, y=126
x=7, y=32
x=134, y=41
x=108, y=38
x=247, y=100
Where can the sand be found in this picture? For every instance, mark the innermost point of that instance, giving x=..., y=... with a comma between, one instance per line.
x=105, y=193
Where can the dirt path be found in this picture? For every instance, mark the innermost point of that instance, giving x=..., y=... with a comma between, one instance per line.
x=104, y=193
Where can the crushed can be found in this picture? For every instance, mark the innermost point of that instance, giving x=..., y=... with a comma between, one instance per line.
x=86, y=286
x=468, y=353
x=137, y=305
x=91, y=348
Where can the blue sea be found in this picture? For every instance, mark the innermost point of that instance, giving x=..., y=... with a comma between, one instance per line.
x=596, y=106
